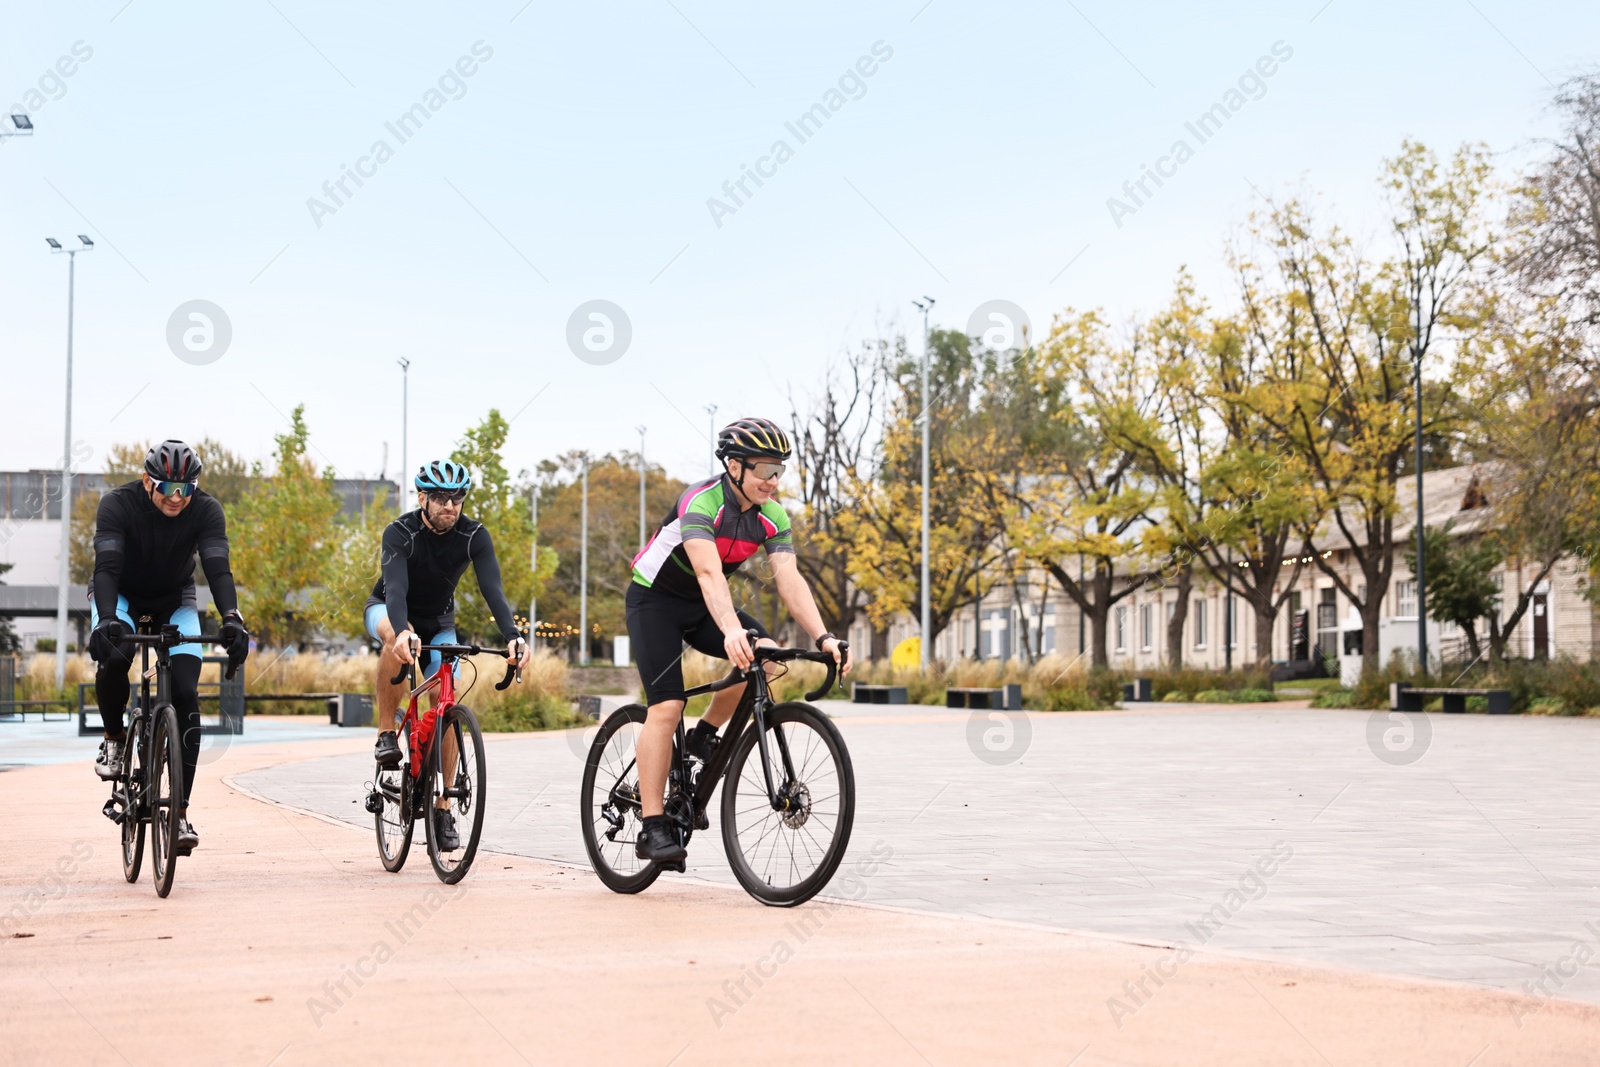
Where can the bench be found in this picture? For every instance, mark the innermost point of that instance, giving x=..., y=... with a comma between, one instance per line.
x=861, y=693
x=1006, y=698
x=1138, y=689
x=19, y=710
x=1403, y=697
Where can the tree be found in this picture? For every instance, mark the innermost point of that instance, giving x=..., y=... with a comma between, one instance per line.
x=9, y=641
x=1460, y=577
x=1344, y=335
x=613, y=535
x=354, y=562
x=1089, y=498
x=282, y=533
x=884, y=528
x=503, y=508
x=833, y=451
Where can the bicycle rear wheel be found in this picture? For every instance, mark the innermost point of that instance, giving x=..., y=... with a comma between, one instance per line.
x=165, y=797
x=129, y=788
x=609, y=803
x=462, y=786
x=785, y=857
x=394, y=818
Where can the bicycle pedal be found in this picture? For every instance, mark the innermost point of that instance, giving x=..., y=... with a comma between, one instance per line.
x=676, y=865
x=110, y=810
x=375, y=803
x=702, y=821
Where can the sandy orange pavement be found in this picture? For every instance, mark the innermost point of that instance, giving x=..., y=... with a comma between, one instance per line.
x=530, y=963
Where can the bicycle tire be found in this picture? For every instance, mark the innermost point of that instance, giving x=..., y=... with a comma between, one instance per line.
x=165, y=797
x=469, y=785
x=607, y=767
x=131, y=784
x=395, y=820
x=763, y=829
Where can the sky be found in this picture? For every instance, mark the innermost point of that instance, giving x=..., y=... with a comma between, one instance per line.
x=562, y=154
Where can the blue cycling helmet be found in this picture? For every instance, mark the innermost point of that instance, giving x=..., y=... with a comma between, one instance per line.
x=443, y=475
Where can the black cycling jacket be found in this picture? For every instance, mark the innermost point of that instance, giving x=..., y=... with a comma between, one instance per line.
x=421, y=569
x=148, y=557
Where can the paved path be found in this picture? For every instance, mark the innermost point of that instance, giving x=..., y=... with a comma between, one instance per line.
x=1478, y=863
x=285, y=944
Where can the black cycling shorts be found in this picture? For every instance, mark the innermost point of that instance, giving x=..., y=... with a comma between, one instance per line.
x=659, y=625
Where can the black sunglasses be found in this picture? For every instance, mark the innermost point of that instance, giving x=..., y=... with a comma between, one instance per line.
x=453, y=497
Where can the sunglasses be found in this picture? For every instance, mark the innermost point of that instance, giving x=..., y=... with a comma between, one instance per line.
x=765, y=472
x=183, y=489
x=455, y=497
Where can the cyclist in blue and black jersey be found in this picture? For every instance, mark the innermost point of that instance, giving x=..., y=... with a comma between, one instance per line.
x=425, y=553
x=679, y=594
x=146, y=536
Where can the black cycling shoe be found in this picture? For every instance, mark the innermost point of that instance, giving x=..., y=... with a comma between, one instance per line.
x=387, y=750
x=444, y=829
x=108, y=764
x=659, y=844
x=187, y=840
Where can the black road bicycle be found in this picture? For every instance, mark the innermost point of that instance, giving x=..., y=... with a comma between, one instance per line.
x=442, y=759
x=786, y=814
x=149, y=792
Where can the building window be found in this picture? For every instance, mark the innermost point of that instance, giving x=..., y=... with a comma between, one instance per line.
x=1197, y=615
x=1122, y=628
x=1405, y=595
x=1146, y=626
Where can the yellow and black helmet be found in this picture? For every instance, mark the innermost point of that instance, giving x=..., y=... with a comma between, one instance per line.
x=747, y=438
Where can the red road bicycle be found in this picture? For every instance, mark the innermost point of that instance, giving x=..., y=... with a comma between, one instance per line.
x=441, y=759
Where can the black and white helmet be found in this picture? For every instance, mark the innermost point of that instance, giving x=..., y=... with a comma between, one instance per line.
x=751, y=437
x=172, y=461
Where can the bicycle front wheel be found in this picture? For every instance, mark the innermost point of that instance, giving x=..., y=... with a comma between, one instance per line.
x=394, y=818
x=165, y=797
x=129, y=788
x=461, y=782
x=783, y=856
x=609, y=803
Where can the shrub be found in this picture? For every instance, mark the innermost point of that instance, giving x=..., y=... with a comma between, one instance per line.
x=1212, y=696
x=1176, y=696
x=1335, y=698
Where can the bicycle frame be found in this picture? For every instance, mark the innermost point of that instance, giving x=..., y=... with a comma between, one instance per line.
x=420, y=729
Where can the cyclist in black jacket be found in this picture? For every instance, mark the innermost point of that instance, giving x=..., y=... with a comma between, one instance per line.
x=425, y=553
x=146, y=535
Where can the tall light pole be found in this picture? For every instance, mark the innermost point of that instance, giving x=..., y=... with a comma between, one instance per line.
x=583, y=573
x=405, y=415
x=533, y=560
x=926, y=306
x=1422, y=594
x=711, y=421
x=63, y=589
x=641, y=430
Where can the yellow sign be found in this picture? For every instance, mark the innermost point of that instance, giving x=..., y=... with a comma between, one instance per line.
x=907, y=654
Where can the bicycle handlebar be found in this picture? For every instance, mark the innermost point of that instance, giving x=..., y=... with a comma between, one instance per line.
x=783, y=655
x=513, y=669
x=169, y=637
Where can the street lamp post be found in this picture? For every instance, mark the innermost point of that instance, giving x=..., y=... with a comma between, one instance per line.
x=583, y=573
x=405, y=414
x=641, y=487
x=1422, y=594
x=63, y=589
x=925, y=305
x=533, y=560
x=711, y=421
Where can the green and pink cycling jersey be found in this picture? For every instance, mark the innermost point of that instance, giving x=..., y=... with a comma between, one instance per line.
x=709, y=511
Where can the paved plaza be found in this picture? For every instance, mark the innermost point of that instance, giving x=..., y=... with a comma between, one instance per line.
x=1268, y=832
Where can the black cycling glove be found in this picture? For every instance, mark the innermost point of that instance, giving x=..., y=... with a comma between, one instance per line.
x=235, y=640
x=106, y=637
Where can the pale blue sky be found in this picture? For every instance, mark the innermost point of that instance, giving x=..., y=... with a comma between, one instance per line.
x=577, y=162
